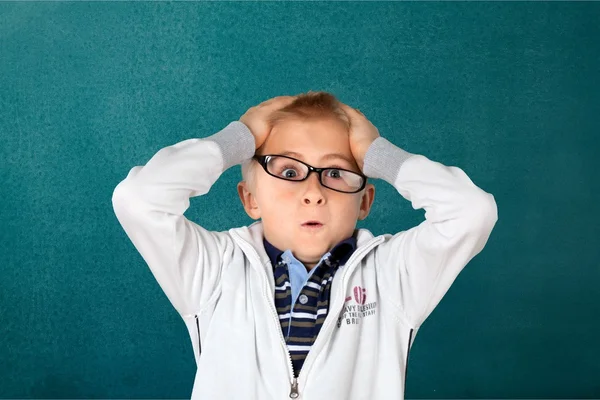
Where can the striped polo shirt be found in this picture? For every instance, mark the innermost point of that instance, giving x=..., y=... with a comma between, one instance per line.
x=305, y=293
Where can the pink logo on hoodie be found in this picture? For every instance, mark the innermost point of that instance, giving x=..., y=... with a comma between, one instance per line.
x=360, y=295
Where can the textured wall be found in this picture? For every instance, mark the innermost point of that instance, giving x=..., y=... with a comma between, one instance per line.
x=509, y=92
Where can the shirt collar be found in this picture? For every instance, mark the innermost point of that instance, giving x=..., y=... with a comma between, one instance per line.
x=341, y=252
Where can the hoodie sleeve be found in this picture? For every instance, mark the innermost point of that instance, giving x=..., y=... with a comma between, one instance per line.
x=419, y=265
x=149, y=203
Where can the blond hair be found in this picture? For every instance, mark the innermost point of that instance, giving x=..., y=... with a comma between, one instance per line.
x=306, y=107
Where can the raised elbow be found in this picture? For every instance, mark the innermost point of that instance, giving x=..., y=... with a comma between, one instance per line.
x=484, y=212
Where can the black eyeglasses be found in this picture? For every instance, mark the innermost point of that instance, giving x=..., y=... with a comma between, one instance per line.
x=290, y=169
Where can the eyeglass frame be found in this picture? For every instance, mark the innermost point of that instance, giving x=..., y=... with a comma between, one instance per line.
x=262, y=161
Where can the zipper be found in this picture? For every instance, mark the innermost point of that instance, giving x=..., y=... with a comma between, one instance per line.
x=325, y=332
x=294, y=383
x=198, y=327
x=294, y=393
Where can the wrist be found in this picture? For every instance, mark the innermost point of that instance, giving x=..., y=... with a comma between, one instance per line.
x=362, y=152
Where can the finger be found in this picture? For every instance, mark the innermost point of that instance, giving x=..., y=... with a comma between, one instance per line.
x=278, y=101
x=347, y=107
x=352, y=112
x=281, y=99
x=286, y=99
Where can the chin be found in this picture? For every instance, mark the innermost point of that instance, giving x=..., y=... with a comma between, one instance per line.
x=314, y=253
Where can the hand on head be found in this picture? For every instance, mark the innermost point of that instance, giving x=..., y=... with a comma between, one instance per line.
x=256, y=117
x=362, y=133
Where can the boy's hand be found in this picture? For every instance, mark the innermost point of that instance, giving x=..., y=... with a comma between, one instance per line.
x=255, y=117
x=362, y=133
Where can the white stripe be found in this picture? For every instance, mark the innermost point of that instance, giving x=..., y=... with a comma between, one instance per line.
x=326, y=280
x=313, y=285
x=285, y=285
x=285, y=316
x=297, y=347
x=303, y=315
x=321, y=311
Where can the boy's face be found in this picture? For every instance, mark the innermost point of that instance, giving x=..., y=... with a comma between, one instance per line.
x=284, y=206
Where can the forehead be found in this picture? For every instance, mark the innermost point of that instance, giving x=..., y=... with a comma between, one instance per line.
x=311, y=141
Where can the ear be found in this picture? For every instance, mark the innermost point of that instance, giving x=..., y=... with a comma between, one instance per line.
x=248, y=200
x=366, y=201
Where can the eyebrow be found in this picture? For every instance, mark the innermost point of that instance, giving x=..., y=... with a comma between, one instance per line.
x=326, y=157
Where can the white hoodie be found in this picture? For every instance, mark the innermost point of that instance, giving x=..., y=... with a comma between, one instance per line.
x=222, y=285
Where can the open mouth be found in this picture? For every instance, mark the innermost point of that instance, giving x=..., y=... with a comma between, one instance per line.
x=312, y=224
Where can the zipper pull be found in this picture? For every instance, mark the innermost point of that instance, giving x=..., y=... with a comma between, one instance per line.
x=294, y=392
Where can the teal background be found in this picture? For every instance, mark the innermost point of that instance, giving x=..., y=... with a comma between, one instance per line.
x=509, y=92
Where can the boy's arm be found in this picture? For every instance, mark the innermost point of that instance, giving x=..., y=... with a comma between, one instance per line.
x=149, y=203
x=419, y=265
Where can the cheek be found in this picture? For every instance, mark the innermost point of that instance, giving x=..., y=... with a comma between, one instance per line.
x=349, y=208
x=281, y=198
x=273, y=193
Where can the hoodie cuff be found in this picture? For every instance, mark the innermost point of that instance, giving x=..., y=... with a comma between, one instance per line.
x=384, y=159
x=236, y=142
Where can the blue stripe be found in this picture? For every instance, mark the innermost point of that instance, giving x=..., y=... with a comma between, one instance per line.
x=316, y=308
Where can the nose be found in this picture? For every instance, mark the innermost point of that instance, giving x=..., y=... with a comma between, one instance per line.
x=314, y=190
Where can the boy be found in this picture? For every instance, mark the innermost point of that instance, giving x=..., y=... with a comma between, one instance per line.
x=301, y=304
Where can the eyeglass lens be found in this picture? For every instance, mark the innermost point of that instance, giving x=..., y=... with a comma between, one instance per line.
x=333, y=178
